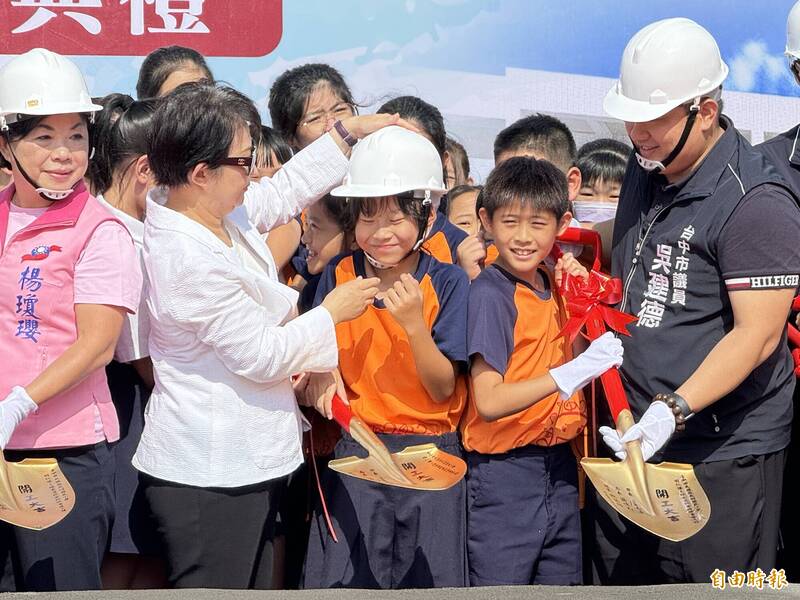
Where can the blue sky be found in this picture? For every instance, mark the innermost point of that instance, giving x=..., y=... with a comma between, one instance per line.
x=487, y=36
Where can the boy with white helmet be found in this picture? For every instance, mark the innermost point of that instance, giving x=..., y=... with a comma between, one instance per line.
x=68, y=275
x=704, y=241
x=402, y=365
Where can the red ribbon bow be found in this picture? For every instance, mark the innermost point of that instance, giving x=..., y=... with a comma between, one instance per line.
x=588, y=302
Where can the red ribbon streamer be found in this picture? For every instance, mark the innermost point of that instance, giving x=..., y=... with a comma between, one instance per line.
x=589, y=300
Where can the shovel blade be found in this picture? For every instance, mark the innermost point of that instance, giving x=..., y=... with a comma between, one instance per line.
x=681, y=507
x=34, y=493
x=423, y=467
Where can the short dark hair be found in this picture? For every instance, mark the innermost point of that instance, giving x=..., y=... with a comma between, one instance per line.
x=339, y=210
x=460, y=160
x=271, y=141
x=122, y=131
x=535, y=183
x=196, y=124
x=426, y=115
x=369, y=207
x=289, y=94
x=604, y=159
x=547, y=136
x=458, y=190
x=163, y=62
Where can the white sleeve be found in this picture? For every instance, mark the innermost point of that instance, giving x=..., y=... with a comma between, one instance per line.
x=248, y=336
x=304, y=179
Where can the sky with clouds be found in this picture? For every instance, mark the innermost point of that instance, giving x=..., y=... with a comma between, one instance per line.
x=485, y=63
x=383, y=45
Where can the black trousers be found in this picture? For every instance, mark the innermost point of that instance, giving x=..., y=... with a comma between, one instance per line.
x=68, y=555
x=742, y=533
x=216, y=537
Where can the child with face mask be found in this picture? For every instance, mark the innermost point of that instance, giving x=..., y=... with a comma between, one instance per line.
x=602, y=166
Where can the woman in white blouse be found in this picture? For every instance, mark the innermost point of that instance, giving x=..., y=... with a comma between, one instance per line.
x=222, y=427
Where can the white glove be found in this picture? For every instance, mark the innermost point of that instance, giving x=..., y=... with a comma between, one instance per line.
x=653, y=430
x=602, y=354
x=13, y=410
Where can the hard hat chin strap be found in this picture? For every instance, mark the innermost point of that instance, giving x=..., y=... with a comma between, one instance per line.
x=657, y=166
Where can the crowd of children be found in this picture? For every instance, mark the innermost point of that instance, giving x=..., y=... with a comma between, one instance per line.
x=284, y=267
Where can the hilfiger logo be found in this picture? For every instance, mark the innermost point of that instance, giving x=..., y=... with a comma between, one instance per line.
x=763, y=282
x=40, y=253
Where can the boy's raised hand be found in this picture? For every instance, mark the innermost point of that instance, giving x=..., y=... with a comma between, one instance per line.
x=602, y=354
x=404, y=302
x=471, y=253
x=569, y=264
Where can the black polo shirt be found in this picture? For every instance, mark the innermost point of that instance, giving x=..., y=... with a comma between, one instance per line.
x=679, y=251
x=783, y=151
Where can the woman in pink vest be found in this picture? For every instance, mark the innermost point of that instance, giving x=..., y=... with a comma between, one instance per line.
x=68, y=277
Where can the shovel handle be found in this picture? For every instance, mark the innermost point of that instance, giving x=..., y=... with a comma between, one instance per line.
x=342, y=413
x=793, y=334
x=586, y=237
x=612, y=384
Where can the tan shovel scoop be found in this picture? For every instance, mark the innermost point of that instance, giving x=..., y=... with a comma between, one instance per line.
x=423, y=467
x=34, y=493
x=665, y=499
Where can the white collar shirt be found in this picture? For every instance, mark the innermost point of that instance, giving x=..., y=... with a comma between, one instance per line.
x=225, y=337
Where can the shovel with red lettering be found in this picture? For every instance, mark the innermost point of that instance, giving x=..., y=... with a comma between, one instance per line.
x=423, y=467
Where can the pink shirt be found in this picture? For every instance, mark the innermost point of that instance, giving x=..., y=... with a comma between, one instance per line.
x=98, y=280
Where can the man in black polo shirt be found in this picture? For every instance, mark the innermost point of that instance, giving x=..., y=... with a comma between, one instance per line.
x=783, y=151
x=704, y=242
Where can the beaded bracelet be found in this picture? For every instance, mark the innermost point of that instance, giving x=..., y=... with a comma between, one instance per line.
x=679, y=407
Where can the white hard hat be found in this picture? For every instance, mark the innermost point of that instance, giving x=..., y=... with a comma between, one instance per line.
x=664, y=65
x=391, y=161
x=41, y=82
x=793, y=33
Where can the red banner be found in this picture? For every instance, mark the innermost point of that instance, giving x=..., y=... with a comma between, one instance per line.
x=248, y=28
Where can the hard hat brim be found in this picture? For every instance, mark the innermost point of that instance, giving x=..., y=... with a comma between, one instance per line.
x=375, y=191
x=634, y=111
x=64, y=109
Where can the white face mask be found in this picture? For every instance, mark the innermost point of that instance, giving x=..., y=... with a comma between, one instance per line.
x=594, y=212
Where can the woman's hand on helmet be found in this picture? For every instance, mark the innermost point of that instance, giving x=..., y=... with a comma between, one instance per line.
x=361, y=126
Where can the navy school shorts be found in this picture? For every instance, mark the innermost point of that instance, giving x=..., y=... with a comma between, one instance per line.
x=523, y=521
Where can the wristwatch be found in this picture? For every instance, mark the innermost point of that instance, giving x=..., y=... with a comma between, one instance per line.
x=348, y=137
x=679, y=407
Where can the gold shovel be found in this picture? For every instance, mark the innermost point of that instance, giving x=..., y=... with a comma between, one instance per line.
x=423, y=467
x=665, y=499
x=34, y=493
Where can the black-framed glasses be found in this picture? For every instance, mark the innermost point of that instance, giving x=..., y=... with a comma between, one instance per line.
x=246, y=162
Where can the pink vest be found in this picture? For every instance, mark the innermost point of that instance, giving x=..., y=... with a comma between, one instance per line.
x=37, y=322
